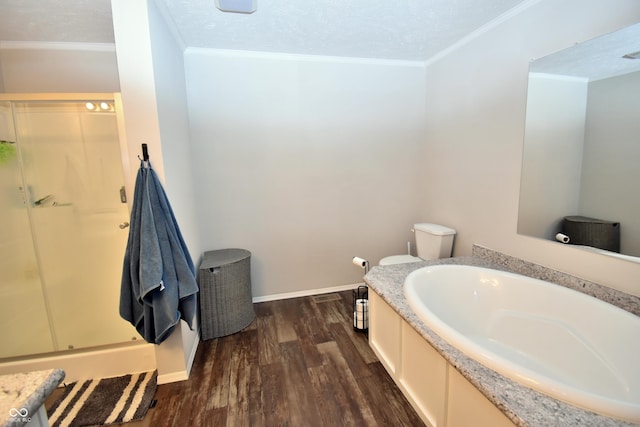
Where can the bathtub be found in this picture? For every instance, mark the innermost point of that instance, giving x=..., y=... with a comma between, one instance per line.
x=555, y=340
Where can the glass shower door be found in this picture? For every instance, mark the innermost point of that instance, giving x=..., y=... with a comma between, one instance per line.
x=23, y=312
x=74, y=183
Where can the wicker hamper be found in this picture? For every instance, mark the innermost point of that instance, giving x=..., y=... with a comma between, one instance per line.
x=226, y=304
x=592, y=232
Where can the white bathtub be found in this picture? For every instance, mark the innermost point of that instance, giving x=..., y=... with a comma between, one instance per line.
x=560, y=342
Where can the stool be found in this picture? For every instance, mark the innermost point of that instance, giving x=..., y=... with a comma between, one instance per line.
x=226, y=304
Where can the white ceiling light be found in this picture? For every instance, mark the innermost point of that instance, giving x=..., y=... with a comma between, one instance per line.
x=238, y=6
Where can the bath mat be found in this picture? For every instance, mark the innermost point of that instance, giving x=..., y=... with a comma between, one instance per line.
x=104, y=401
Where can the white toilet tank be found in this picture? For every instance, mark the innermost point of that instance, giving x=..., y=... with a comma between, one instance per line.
x=433, y=241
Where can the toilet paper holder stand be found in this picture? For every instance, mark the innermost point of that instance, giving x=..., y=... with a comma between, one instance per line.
x=361, y=309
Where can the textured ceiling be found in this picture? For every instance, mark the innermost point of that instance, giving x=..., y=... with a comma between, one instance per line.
x=87, y=21
x=398, y=29
x=595, y=59
x=392, y=29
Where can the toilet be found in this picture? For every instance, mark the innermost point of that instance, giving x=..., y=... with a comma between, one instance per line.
x=433, y=241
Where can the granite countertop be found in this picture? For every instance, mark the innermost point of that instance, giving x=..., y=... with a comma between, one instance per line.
x=21, y=395
x=523, y=406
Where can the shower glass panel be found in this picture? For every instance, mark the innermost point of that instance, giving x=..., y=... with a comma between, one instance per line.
x=71, y=172
x=23, y=312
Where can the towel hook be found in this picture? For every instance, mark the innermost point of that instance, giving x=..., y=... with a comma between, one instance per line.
x=145, y=153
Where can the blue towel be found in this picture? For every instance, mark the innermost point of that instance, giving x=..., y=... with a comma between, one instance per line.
x=158, y=285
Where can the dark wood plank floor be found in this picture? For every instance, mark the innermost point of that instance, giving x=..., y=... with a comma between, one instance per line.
x=298, y=364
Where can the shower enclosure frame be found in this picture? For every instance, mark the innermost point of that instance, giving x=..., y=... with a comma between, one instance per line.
x=105, y=360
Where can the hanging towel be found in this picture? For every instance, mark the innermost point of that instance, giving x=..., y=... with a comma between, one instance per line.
x=158, y=279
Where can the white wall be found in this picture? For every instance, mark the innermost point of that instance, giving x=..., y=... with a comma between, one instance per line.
x=2, y=89
x=147, y=90
x=305, y=161
x=476, y=97
x=556, y=113
x=58, y=67
x=173, y=119
x=611, y=172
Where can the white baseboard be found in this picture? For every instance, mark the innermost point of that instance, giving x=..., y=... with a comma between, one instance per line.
x=192, y=355
x=305, y=293
x=173, y=377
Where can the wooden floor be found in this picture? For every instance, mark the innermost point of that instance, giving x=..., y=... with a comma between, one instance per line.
x=298, y=364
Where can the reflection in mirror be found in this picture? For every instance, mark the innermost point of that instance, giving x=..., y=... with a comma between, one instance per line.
x=581, y=161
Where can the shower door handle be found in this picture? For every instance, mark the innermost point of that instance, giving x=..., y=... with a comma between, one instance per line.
x=123, y=225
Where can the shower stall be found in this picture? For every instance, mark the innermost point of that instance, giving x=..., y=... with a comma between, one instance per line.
x=64, y=212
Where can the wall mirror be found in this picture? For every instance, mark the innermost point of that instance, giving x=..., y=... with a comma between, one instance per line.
x=581, y=157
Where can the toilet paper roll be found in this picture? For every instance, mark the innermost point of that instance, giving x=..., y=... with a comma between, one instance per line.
x=361, y=314
x=362, y=305
x=562, y=238
x=360, y=322
x=360, y=262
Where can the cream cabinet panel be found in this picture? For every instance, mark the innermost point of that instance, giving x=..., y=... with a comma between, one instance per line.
x=384, y=332
x=468, y=407
x=423, y=374
x=441, y=396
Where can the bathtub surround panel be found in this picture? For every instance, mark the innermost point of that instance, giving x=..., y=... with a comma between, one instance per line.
x=423, y=372
x=384, y=333
x=523, y=406
x=465, y=402
x=427, y=380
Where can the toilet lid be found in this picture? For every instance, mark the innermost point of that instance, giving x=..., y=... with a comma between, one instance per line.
x=399, y=259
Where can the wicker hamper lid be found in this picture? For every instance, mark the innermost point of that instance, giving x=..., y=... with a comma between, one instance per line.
x=597, y=233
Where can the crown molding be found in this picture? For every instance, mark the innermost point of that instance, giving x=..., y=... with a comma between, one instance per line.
x=38, y=45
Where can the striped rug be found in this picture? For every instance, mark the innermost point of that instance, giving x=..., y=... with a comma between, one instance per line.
x=104, y=401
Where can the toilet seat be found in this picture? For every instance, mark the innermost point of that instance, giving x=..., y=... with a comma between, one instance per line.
x=398, y=259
